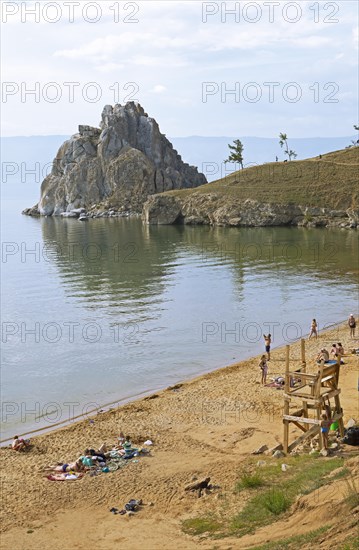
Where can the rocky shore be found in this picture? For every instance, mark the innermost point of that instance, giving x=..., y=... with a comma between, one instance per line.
x=209, y=209
x=215, y=209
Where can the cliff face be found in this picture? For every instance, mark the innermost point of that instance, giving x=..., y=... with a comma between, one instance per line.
x=116, y=166
x=215, y=209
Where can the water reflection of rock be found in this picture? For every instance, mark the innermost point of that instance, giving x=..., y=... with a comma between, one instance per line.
x=109, y=263
x=122, y=263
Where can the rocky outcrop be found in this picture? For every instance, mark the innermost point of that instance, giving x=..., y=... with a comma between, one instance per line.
x=115, y=167
x=215, y=209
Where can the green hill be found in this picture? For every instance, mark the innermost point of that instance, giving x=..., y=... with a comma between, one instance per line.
x=330, y=181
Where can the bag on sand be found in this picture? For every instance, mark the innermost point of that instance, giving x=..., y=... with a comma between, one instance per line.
x=352, y=436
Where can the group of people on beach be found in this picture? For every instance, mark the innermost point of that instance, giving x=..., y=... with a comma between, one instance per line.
x=20, y=444
x=323, y=355
x=92, y=458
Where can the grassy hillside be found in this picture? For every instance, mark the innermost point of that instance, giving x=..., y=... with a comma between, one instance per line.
x=331, y=182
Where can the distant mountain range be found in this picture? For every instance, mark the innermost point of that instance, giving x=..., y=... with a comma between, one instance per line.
x=207, y=153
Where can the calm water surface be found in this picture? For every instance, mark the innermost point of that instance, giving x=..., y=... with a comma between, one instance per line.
x=106, y=310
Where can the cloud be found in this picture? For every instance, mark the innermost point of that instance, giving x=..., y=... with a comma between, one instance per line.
x=158, y=89
x=109, y=67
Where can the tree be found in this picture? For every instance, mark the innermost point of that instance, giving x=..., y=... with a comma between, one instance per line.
x=354, y=142
x=283, y=141
x=236, y=152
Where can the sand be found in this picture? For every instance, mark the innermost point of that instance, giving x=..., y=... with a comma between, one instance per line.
x=206, y=426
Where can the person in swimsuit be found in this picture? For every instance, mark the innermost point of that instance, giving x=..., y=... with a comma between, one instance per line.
x=325, y=425
x=340, y=349
x=77, y=466
x=313, y=329
x=19, y=444
x=334, y=351
x=267, y=341
x=264, y=368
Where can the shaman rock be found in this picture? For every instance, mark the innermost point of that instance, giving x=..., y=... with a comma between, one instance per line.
x=118, y=165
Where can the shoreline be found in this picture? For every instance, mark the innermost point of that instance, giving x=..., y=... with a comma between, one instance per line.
x=146, y=394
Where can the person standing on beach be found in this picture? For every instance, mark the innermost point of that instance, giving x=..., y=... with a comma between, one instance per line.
x=264, y=368
x=267, y=341
x=313, y=329
x=352, y=324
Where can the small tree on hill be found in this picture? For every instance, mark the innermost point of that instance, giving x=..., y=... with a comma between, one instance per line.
x=356, y=142
x=283, y=142
x=236, y=153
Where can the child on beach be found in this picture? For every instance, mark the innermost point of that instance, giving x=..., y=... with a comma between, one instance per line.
x=267, y=341
x=325, y=425
x=264, y=368
x=313, y=329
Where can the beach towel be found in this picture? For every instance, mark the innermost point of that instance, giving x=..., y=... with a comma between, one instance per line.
x=64, y=477
x=275, y=385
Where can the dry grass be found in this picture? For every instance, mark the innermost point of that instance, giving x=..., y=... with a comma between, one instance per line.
x=331, y=182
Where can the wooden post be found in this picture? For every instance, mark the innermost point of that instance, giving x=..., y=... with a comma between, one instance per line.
x=286, y=400
x=287, y=382
x=302, y=352
x=318, y=415
x=305, y=409
x=286, y=426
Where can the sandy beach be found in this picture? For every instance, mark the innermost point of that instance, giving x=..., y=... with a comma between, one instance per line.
x=208, y=426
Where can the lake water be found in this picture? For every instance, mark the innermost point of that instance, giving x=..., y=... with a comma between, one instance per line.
x=107, y=310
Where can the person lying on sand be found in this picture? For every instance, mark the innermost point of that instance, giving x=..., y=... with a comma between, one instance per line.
x=77, y=466
x=20, y=444
x=91, y=455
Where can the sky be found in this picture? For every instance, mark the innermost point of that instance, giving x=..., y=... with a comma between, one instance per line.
x=199, y=68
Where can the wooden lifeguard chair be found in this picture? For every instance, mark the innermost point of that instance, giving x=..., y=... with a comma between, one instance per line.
x=315, y=391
